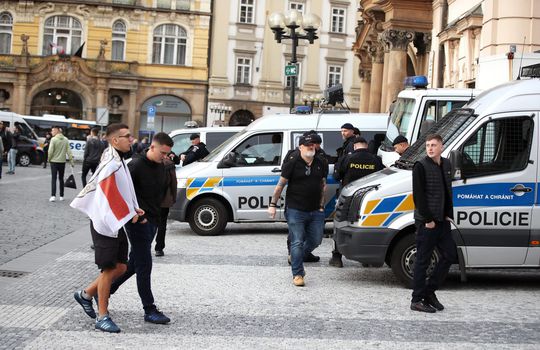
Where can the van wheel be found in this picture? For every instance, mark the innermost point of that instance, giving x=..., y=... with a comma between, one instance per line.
x=404, y=257
x=208, y=217
x=24, y=159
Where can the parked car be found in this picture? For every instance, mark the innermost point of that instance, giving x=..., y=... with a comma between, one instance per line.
x=28, y=152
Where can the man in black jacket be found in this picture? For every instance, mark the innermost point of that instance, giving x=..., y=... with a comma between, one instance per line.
x=92, y=154
x=432, y=195
x=148, y=175
x=196, y=151
x=360, y=163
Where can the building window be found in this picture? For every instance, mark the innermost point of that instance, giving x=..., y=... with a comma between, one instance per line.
x=338, y=20
x=118, y=41
x=243, y=70
x=288, y=80
x=170, y=42
x=6, y=32
x=174, y=4
x=334, y=75
x=298, y=6
x=62, y=35
x=246, y=11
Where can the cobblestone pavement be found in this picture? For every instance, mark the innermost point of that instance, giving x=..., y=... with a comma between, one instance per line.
x=28, y=219
x=235, y=292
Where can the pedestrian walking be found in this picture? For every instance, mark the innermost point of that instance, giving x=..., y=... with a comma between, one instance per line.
x=110, y=202
x=12, y=151
x=196, y=151
x=46, y=144
x=304, y=206
x=148, y=175
x=361, y=162
x=348, y=134
x=432, y=195
x=293, y=155
x=169, y=199
x=400, y=144
x=92, y=154
x=58, y=152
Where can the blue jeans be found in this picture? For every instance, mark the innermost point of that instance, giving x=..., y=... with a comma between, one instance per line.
x=306, y=229
x=141, y=237
x=12, y=159
x=427, y=240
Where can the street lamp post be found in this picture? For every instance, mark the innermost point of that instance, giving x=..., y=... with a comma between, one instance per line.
x=221, y=109
x=293, y=20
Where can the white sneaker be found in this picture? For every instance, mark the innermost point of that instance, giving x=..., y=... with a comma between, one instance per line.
x=61, y=199
x=52, y=199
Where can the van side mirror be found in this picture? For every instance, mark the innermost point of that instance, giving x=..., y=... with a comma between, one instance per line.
x=228, y=161
x=455, y=161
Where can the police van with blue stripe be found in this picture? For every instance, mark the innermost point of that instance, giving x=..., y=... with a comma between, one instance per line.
x=493, y=145
x=235, y=182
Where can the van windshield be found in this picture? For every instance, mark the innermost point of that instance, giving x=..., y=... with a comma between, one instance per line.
x=399, y=122
x=216, y=151
x=449, y=127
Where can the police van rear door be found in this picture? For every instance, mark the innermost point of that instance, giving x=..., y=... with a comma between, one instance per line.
x=493, y=205
x=251, y=182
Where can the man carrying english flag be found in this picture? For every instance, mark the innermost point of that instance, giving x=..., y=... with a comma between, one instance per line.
x=110, y=202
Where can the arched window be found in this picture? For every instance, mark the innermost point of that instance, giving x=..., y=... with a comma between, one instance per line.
x=6, y=32
x=118, y=40
x=169, y=45
x=62, y=34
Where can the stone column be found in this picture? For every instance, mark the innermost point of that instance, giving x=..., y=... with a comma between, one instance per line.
x=396, y=42
x=384, y=81
x=365, y=88
x=377, y=56
x=131, y=120
x=19, y=97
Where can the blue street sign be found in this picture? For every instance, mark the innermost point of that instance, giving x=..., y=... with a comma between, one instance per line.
x=150, y=116
x=151, y=112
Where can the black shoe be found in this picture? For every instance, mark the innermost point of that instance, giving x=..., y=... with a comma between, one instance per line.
x=433, y=301
x=92, y=247
x=157, y=317
x=159, y=253
x=422, y=306
x=336, y=260
x=309, y=257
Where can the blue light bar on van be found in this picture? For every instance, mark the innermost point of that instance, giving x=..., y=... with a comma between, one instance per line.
x=303, y=109
x=417, y=82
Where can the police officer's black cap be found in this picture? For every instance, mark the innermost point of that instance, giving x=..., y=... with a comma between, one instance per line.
x=194, y=136
x=306, y=140
x=399, y=140
x=359, y=139
x=348, y=126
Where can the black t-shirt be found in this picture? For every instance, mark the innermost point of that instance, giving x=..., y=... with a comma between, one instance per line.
x=304, y=186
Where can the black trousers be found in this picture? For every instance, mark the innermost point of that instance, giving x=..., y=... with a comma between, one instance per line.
x=57, y=172
x=427, y=240
x=162, y=229
x=86, y=167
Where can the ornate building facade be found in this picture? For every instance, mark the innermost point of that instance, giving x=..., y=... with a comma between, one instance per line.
x=73, y=58
x=247, y=65
x=456, y=43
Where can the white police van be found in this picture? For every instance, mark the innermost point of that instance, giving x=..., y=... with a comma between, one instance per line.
x=416, y=109
x=493, y=145
x=236, y=181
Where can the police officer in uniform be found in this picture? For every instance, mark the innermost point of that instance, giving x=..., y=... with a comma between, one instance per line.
x=348, y=133
x=359, y=163
x=196, y=151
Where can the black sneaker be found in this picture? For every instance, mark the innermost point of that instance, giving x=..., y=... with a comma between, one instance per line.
x=159, y=253
x=422, y=306
x=157, y=317
x=336, y=260
x=433, y=301
x=309, y=257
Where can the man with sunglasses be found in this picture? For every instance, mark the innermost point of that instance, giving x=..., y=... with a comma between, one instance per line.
x=304, y=206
